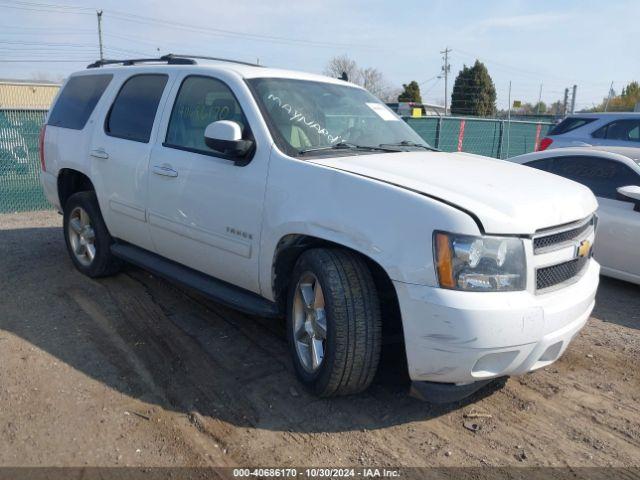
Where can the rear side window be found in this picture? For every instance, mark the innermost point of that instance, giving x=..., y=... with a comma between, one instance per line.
x=603, y=176
x=134, y=109
x=569, y=124
x=625, y=130
x=77, y=101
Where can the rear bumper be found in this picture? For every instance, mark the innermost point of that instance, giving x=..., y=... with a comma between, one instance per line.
x=465, y=337
x=49, y=183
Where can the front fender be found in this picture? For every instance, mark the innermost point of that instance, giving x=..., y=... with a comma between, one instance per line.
x=389, y=224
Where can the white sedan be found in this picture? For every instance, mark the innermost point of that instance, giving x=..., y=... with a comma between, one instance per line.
x=613, y=174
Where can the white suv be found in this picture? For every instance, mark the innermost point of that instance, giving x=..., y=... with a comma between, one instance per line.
x=621, y=129
x=286, y=194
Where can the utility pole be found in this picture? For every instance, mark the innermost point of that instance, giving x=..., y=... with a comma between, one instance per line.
x=539, y=100
x=573, y=99
x=564, y=102
x=606, y=105
x=509, y=122
x=99, y=13
x=446, y=68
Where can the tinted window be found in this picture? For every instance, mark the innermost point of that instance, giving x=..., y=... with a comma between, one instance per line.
x=134, y=110
x=569, y=124
x=542, y=164
x=626, y=130
x=201, y=101
x=77, y=100
x=601, y=175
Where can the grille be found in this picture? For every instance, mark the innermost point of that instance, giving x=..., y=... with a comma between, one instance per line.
x=547, y=277
x=557, y=239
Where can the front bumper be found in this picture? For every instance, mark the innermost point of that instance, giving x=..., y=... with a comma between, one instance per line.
x=463, y=337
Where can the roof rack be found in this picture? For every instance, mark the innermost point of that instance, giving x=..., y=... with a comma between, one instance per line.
x=169, y=59
x=217, y=59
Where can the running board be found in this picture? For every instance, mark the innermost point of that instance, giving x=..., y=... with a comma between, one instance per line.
x=217, y=290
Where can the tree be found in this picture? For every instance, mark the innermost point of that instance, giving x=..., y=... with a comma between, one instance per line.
x=410, y=93
x=540, y=108
x=474, y=92
x=373, y=80
x=556, y=108
x=369, y=78
x=625, y=102
x=342, y=64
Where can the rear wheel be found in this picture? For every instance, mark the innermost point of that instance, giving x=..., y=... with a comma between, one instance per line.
x=87, y=238
x=333, y=322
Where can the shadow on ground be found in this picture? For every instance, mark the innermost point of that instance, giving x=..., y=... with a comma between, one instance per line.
x=148, y=339
x=622, y=305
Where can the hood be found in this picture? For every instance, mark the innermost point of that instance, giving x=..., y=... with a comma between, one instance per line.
x=507, y=198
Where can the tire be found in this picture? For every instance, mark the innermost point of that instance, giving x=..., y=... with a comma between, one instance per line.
x=86, y=232
x=352, y=322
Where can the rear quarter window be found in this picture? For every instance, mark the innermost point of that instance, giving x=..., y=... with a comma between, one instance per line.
x=77, y=101
x=569, y=124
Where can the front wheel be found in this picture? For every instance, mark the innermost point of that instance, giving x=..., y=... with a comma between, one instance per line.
x=333, y=322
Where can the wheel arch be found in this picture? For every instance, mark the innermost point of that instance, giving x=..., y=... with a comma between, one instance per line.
x=72, y=181
x=291, y=246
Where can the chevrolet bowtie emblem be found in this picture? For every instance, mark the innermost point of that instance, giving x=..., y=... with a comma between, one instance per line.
x=584, y=249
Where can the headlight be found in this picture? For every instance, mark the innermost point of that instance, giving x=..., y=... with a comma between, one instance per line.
x=482, y=264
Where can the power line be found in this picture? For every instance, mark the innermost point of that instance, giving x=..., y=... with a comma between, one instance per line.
x=31, y=60
x=49, y=7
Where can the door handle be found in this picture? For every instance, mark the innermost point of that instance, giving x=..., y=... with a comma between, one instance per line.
x=164, y=170
x=99, y=153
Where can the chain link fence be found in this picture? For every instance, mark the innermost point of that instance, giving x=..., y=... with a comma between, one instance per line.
x=491, y=137
x=23, y=107
x=20, y=161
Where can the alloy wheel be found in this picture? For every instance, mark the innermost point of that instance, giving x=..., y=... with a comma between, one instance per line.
x=309, y=322
x=82, y=236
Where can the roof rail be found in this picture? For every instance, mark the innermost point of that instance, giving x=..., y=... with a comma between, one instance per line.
x=217, y=59
x=169, y=59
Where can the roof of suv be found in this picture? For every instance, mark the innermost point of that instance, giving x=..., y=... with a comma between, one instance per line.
x=240, y=69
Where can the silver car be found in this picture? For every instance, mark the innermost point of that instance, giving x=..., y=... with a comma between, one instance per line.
x=613, y=175
x=586, y=129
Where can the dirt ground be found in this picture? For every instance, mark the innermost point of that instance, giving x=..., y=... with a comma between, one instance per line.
x=132, y=370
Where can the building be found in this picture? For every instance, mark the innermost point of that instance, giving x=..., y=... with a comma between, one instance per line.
x=412, y=109
x=27, y=94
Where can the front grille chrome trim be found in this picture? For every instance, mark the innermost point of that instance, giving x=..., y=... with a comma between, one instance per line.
x=556, y=238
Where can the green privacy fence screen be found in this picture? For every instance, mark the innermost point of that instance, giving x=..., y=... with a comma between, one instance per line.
x=20, y=165
x=19, y=161
x=490, y=137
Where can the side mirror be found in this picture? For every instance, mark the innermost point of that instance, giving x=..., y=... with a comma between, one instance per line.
x=225, y=136
x=630, y=192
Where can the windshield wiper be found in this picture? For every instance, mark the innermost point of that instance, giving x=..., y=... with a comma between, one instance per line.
x=348, y=146
x=409, y=143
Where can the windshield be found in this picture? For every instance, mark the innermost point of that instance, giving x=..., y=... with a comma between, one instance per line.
x=308, y=117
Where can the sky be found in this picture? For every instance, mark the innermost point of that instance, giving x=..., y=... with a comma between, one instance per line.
x=554, y=43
